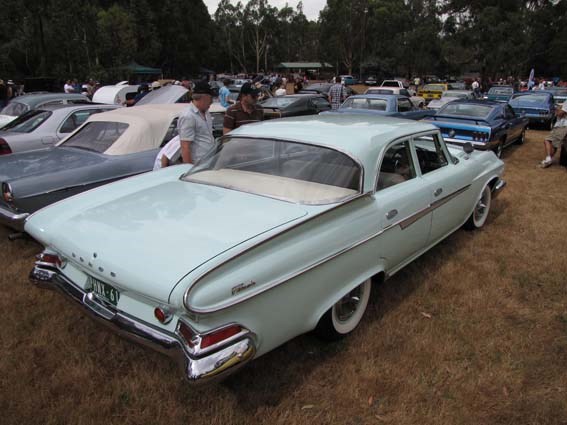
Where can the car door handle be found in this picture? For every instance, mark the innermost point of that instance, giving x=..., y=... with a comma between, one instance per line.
x=391, y=214
x=438, y=192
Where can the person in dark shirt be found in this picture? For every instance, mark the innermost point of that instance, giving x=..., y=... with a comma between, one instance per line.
x=245, y=111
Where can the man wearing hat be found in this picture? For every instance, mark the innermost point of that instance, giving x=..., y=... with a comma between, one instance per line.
x=245, y=111
x=195, y=125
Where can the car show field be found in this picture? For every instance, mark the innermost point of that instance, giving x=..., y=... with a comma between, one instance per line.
x=472, y=332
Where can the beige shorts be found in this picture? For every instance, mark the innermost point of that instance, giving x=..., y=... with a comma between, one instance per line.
x=557, y=136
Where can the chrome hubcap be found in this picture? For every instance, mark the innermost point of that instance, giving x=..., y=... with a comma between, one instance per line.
x=348, y=304
x=480, y=208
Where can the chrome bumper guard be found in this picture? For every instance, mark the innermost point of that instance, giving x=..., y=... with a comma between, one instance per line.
x=500, y=184
x=12, y=219
x=197, y=369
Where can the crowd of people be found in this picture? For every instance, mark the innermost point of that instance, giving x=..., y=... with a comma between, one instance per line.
x=8, y=90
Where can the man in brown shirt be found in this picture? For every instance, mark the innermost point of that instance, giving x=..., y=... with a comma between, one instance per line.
x=245, y=111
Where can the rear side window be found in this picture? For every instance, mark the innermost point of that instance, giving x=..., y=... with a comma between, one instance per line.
x=27, y=122
x=96, y=136
x=404, y=105
x=171, y=132
x=76, y=119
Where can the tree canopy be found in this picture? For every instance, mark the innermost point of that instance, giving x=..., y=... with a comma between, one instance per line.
x=70, y=38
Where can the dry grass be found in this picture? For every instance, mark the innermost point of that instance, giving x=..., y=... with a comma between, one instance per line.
x=475, y=332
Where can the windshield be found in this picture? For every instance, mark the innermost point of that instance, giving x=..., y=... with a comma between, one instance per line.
x=358, y=103
x=96, y=136
x=530, y=98
x=289, y=171
x=501, y=90
x=15, y=109
x=279, y=102
x=27, y=122
x=434, y=87
x=465, y=110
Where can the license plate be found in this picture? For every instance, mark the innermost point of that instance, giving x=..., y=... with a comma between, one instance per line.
x=103, y=290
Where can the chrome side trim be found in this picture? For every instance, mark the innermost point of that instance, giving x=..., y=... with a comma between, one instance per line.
x=403, y=223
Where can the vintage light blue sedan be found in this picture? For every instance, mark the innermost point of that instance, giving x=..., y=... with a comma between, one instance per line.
x=276, y=233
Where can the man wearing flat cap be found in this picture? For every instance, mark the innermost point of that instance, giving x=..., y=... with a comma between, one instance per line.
x=195, y=125
x=245, y=111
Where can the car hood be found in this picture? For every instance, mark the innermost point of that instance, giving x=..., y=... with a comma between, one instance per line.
x=45, y=161
x=145, y=234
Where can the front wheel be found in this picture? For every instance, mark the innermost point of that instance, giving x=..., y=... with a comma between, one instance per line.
x=481, y=210
x=345, y=315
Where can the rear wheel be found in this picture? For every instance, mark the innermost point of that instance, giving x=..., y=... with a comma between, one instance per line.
x=499, y=149
x=522, y=137
x=344, y=316
x=481, y=210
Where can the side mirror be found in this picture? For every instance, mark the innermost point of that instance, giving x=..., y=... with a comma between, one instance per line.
x=468, y=148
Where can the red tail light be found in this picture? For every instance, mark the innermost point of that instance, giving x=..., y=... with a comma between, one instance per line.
x=47, y=259
x=4, y=147
x=220, y=335
x=187, y=333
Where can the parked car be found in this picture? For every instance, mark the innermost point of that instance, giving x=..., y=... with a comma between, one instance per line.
x=500, y=93
x=294, y=105
x=277, y=234
x=265, y=93
x=559, y=94
x=487, y=125
x=449, y=96
x=166, y=96
x=108, y=147
x=116, y=94
x=322, y=88
x=432, y=91
x=392, y=105
x=22, y=104
x=416, y=100
x=537, y=106
x=45, y=126
x=371, y=81
x=349, y=80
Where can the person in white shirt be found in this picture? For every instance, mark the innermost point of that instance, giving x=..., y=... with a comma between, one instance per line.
x=170, y=154
x=68, y=87
x=281, y=91
x=557, y=136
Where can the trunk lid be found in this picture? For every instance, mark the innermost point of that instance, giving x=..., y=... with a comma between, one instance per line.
x=147, y=239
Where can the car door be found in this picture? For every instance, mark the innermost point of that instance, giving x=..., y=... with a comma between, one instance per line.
x=402, y=205
x=514, y=124
x=447, y=183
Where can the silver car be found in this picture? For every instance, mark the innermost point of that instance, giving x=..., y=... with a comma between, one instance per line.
x=43, y=127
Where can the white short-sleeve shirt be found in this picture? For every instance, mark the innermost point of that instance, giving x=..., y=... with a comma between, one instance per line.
x=172, y=150
x=193, y=127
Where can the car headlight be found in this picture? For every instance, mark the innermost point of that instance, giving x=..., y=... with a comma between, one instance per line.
x=7, y=194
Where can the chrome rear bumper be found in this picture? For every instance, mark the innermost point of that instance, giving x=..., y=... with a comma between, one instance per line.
x=12, y=219
x=197, y=369
x=500, y=184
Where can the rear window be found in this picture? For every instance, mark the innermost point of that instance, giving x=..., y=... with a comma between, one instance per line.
x=434, y=87
x=27, y=122
x=374, y=104
x=15, y=109
x=279, y=102
x=501, y=90
x=465, y=110
x=530, y=98
x=390, y=84
x=96, y=136
x=379, y=91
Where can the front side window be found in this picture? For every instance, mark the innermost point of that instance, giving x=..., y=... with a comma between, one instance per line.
x=27, y=122
x=396, y=167
x=430, y=153
x=290, y=171
x=76, y=119
x=96, y=136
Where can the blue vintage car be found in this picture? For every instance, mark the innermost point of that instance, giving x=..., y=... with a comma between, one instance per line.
x=537, y=106
x=500, y=93
x=276, y=234
x=486, y=125
x=392, y=105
